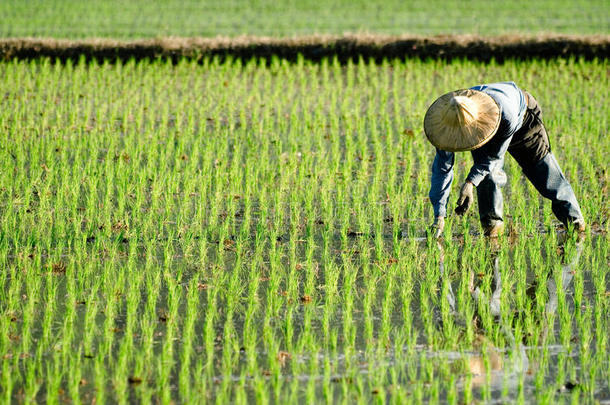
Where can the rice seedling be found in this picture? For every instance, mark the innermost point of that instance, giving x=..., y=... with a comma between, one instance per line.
x=242, y=230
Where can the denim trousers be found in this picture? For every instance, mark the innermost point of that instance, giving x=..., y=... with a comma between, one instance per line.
x=531, y=149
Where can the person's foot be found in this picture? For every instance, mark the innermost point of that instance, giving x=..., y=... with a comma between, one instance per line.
x=579, y=225
x=494, y=229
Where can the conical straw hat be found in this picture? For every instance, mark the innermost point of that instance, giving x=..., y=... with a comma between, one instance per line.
x=462, y=120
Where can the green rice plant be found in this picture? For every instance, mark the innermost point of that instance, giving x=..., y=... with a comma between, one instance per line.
x=242, y=230
x=63, y=19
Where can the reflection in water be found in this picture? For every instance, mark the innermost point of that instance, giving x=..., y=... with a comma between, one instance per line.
x=494, y=301
x=506, y=364
x=567, y=272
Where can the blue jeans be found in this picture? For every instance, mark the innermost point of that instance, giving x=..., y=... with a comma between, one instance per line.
x=546, y=176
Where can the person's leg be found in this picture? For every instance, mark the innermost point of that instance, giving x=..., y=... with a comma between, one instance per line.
x=491, y=204
x=550, y=182
x=532, y=150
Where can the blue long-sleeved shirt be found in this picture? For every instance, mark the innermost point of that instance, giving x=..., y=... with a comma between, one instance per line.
x=489, y=156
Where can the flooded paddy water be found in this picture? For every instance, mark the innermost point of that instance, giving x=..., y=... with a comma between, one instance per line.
x=256, y=232
x=458, y=329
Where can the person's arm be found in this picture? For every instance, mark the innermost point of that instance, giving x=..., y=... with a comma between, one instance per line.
x=487, y=158
x=440, y=184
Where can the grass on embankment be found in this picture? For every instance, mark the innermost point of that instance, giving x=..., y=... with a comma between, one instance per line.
x=316, y=48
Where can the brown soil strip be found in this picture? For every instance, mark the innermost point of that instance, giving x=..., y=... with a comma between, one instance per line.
x=377, y=47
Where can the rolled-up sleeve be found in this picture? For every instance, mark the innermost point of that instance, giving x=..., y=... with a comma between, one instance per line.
x=440, y=184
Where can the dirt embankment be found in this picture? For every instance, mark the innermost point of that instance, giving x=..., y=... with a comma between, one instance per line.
x=315, y=48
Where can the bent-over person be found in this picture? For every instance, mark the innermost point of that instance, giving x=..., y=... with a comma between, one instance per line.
x=489, y=120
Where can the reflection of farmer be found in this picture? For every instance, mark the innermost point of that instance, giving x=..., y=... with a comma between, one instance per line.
x=489, y=120
x=504, y=365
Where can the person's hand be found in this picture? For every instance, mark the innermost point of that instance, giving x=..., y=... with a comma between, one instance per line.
x=437, y=227
x=466, y=198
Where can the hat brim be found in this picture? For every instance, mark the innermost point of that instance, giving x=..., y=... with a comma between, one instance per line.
x=464, y=137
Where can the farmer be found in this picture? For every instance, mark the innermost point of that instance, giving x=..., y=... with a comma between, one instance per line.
x=489, y=120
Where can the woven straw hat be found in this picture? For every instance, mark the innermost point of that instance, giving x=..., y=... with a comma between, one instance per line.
x=462, y=120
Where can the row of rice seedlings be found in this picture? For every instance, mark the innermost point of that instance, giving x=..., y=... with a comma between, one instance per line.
x=228, y=230
x=112, y=19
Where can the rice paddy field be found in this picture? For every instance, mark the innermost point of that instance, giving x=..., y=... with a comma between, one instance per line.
x=131, y=19
x=256, y=232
